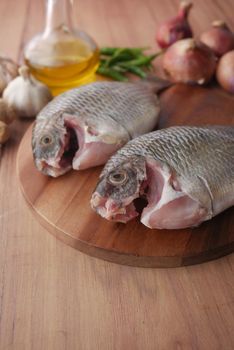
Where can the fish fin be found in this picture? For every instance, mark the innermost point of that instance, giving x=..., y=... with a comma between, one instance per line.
x=110, y=139
x=156, y=83
x=198, y=189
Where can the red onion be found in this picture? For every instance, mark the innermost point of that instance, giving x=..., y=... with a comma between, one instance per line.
x=225, y=71
x=189, y=61
x=175, y=28
x=219, y=38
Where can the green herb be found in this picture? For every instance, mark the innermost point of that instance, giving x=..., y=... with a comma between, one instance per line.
x=120, y=55
x=111, y=73
x=142, y=60
x=116, y=62
x=137, y=71
x=109, y=51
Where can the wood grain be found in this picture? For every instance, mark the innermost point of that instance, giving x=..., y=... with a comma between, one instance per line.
x=54, y=297
x=62, y=205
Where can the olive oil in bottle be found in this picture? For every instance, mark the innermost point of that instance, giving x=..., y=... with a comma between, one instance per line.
x=62, y=57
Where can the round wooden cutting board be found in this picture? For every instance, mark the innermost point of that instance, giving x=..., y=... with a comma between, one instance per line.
x=62, y=204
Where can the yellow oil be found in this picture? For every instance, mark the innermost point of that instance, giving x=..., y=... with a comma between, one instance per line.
x=63, y=65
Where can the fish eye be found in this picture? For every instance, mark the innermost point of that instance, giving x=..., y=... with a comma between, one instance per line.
x=118, y=177
x=46, y=140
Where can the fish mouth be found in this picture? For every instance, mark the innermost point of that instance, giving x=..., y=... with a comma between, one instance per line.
x=121, y=211
x=62, y=163
x=112, y=210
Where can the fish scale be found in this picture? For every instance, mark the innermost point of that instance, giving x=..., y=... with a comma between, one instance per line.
x=126, y=103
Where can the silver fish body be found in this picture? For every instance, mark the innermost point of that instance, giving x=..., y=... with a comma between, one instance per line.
x=186, y=174
x=83, y=127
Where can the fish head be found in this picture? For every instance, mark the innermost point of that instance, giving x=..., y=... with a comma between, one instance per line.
x=54, y=149
x=117, y=189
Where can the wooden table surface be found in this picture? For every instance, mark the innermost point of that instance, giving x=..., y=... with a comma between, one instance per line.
x=54, y=298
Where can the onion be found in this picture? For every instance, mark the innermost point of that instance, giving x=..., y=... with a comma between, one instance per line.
x=189, y=61
x=175, y=28
x=225, y=71
x=219, y=38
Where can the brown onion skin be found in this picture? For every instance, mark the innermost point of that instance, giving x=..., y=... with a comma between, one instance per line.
x=175, y=28
x=219, y=38
x=189, y=61
x=225, y=71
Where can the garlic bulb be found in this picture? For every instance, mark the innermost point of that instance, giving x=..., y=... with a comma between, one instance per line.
x=4, y=132
x=7, y=113
x=26, y=94
x=8, y=71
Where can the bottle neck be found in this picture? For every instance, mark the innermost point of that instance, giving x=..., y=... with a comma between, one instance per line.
x=58, y=16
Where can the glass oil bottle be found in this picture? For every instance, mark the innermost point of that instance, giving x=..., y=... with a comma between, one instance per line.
x=62, y=57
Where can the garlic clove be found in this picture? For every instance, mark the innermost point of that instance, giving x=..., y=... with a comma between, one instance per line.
x=7, y=113
x=3, y=80
x=8, y=71
x=26, y=95
x=4, y=132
